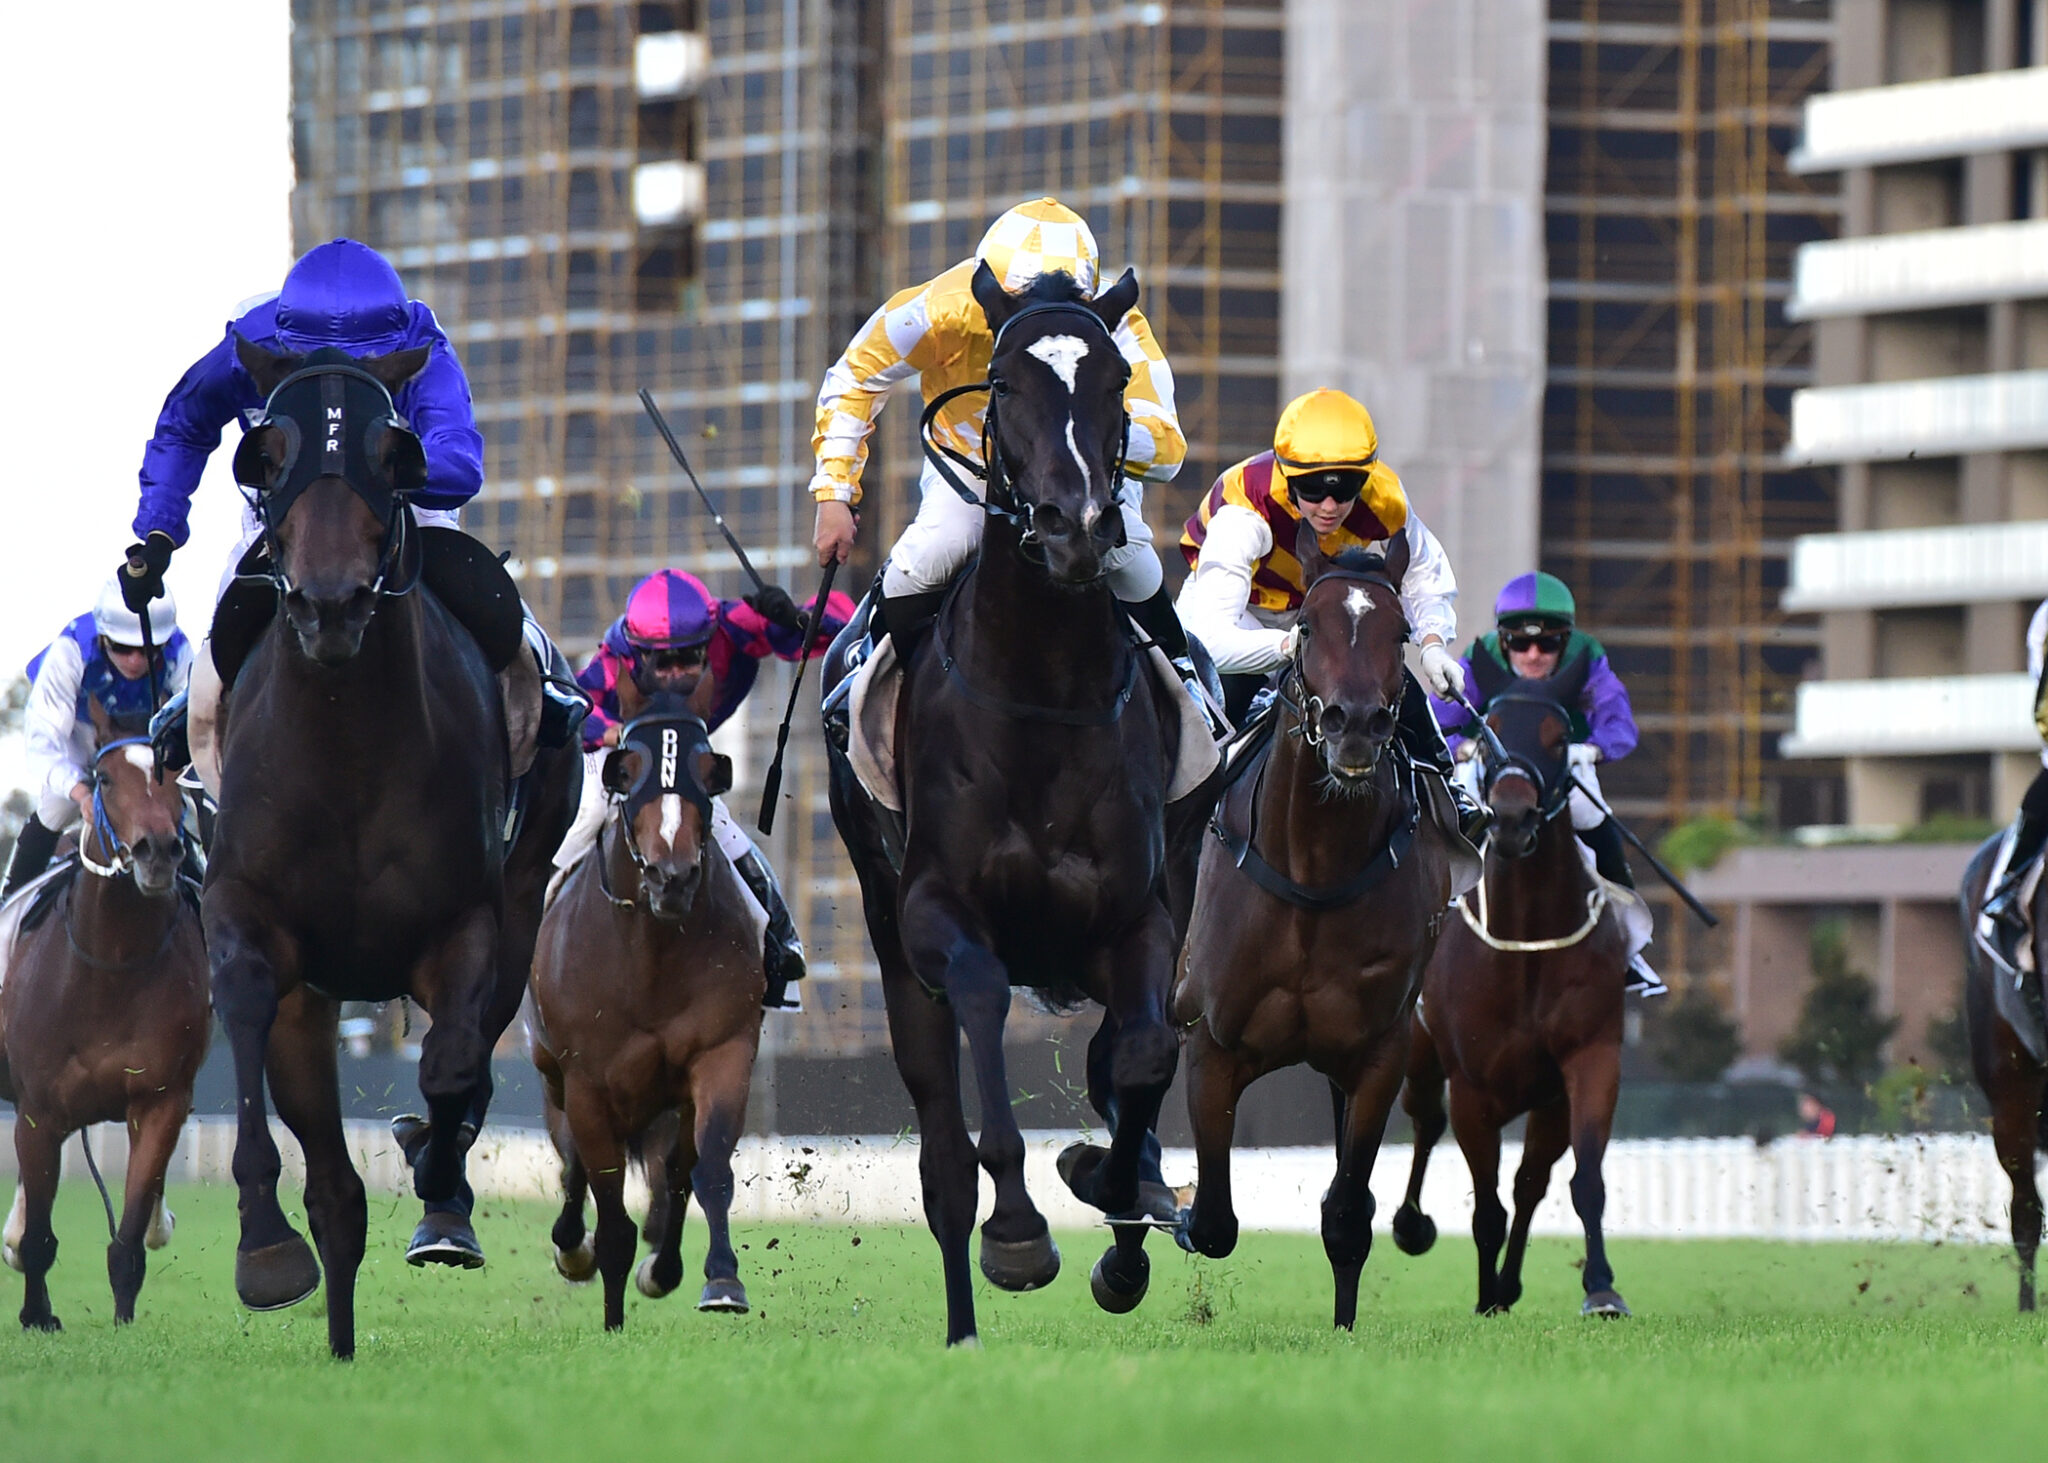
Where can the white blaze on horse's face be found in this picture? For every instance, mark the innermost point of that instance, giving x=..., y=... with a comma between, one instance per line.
x=671, y=819
x=1358, y=604
x=1063, y=354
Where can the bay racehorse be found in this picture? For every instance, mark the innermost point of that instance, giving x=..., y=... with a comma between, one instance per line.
x=103, y=1014
x=1319, y=901
x=1521, y=1011
x=2008, y=1057
x=646, y=1013
x=359, y=851
x=1033, y=753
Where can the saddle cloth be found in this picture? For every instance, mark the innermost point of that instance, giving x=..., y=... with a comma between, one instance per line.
x=2018, y=999
x=1630, y=907
x=871, y=742
x=29, y=905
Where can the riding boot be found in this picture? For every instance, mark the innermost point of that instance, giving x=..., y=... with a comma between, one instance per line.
x=2002, y=909
x=908, y=617
x=1608, y=857
x=32, y=849
x=782, y=952
x=1161, y=622
x=1425, y=744
x=167, y=731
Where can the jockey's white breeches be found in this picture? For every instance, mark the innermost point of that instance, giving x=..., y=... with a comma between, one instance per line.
x=252, y=527
x=1586, y=815
x=596, y=805
x=947, y=530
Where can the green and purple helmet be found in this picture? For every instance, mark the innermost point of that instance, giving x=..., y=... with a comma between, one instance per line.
x=1535, y=600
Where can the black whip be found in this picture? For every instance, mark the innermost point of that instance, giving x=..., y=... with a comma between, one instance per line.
x=675, y=447
x=771, y=788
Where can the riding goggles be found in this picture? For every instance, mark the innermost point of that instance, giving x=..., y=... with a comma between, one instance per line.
x=1549, y=639
x=1320, y=485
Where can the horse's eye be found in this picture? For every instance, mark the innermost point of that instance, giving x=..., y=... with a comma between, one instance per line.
x=999, y=386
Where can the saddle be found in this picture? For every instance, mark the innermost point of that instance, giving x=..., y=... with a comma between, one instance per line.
x=2017, y=994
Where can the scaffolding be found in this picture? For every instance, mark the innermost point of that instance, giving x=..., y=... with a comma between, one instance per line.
x=1671, y=226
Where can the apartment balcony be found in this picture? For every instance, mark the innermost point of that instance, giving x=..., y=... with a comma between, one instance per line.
x=668, y=193
x=1913, y=717
x=670, y=63
x=1886, y=273
x=1972, y=563
x=1943, y=417
x=1990, y=112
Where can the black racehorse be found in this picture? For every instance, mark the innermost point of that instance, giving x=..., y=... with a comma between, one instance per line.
x=360, y=847
x=1033, y=752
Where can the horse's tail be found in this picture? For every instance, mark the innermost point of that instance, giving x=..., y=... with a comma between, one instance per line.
x=93, y=1168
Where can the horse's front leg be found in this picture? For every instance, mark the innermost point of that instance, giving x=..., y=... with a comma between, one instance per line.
x=153, y=1127
x=1143, y=1052
x=457, y=983
x=274, y=1266
x=949, y=952
x=1348, y=1205
x=1592, y=1081
x=39, y=1160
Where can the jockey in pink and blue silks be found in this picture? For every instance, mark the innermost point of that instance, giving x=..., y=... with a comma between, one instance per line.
x=678, y=637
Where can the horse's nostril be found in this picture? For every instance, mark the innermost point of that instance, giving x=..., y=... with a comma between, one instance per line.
x=1332, y=721
x=1380, y=725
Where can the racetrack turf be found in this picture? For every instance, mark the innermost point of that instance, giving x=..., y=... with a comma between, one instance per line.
x=1738, y=1350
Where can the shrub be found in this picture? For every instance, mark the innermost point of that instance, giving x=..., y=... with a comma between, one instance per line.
x=1694, y=1040
x=1840, y=1037
x=1701, y=842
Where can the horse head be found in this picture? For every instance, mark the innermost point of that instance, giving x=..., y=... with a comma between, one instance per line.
x=1531, y=787
x=663, y=774
x=331, y=465
x=1056, y=429
x=138, y=814
x=1347, y=669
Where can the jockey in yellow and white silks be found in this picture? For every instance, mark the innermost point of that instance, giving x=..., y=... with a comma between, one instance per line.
x=937, y=334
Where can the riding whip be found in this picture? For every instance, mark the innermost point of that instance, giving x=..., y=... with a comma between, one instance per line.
x=676, y=448
x=1706, y=915
x=136, y=566
x=1495, y=752
x=771, y=788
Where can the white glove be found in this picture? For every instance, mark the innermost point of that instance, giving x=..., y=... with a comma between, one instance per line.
x=1582, y=754
x=1290, y=642
x=1443, y=675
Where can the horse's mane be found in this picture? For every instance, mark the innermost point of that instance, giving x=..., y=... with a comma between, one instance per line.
x=1054, y=286
x=1360, y=561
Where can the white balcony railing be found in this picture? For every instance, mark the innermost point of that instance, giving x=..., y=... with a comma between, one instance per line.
x=1914, y=717
x=1962, y=564
x=1920, y=271
x=670, y=63
x=1935, y=418
x=1955, y=116
x=668, y=193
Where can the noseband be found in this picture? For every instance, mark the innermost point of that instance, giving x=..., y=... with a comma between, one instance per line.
x=1293, y=691
x=992, y=472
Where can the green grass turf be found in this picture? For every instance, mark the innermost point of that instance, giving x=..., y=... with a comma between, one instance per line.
x=1738, y=1350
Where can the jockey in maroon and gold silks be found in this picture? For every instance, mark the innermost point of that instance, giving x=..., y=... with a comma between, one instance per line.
x=1253, y=484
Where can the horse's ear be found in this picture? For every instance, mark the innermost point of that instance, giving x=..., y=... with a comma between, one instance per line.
x=618, y=771
x=718, y=781
x=102, y=724
x=401, y=460
x=397, y=368
x=1399, y=552
x=263, y=455
x=265, y=368
x=994, y=300
x=1309, y=550
x=1115, y=302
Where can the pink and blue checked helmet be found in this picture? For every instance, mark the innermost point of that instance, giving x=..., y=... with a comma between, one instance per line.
x=670, y=610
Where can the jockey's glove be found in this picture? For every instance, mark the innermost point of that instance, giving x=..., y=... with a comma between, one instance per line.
x=1442, y=673
x=142, y=575
x=773, y=604
x=1582, y=754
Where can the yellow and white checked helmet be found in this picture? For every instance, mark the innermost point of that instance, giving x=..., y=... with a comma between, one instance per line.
x=1036, y=237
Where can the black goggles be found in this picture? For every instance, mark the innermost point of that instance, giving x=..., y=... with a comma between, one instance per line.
x=1549, y=641
x=673, y=658
x=1340, y=484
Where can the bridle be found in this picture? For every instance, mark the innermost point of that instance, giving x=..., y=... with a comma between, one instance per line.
x=674, y=727
x=1293, y=691
x=120, y=863
x=1001, y=500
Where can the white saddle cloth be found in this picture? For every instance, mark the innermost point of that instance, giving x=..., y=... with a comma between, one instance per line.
x=879, y=680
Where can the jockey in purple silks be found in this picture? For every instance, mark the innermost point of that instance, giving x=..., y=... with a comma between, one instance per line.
x=1536, y=637
x=676, y=636
x=339, y=294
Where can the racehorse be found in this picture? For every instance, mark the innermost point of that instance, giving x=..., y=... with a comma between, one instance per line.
x=359, y=852
x=1033, y=752
x=2006, y=1064
x=103, y=1016
x=646, y=1013
x=1522, y=1010
x=1319, y=901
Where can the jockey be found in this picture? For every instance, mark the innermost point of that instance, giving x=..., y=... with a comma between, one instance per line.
x=1536, y=638
x=99, y=657
x=341, y=294
x=1245, y=591
x=937, y=333
x=2003, y=909
x=676, y=636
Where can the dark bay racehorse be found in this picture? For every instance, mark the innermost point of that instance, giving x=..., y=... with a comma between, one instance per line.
x=1033, y=752
x=104, y=1017
x=1319, y=902
x=2006, y=1067
x=1525, y=1017
x=359, y=853
x=646, y=1014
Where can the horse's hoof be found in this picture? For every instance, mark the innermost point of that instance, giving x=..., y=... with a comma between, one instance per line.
x=49, y=1324
x=645, y=1282
x=162, y=1222
x=577, y=1266
x=1112, y=1291
x=1020, y=1265
x=1414, y=1231
x=277, y=1275
x=1606, y=1303
x=1080, y=1169
x=1497, y=1308
x=723, y=1295
x=445, y=1239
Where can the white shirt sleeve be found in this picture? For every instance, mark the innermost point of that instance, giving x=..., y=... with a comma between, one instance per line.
x=1429, y=591
x=1212, y=602
x=51, y=717
x=2037, y=641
